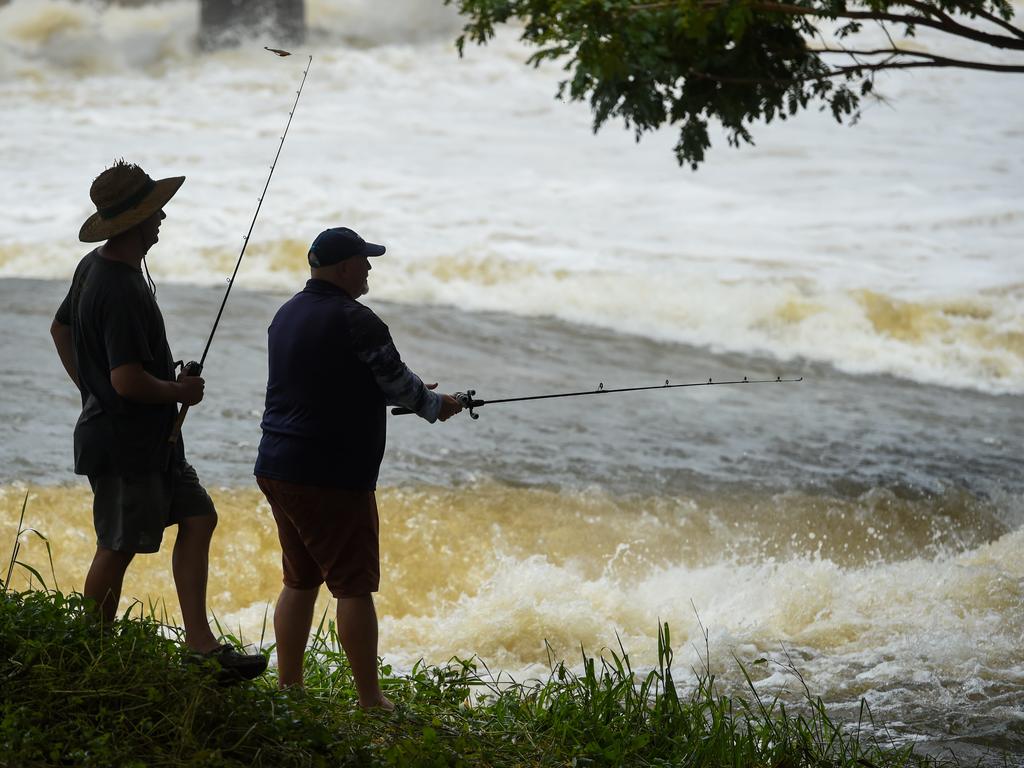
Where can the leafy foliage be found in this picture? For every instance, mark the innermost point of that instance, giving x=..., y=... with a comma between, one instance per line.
x=689, y=62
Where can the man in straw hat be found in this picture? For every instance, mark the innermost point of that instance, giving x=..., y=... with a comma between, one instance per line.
x=110, y=337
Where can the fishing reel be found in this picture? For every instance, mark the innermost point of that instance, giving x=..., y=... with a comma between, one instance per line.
x=465, y=399
x=191, y=368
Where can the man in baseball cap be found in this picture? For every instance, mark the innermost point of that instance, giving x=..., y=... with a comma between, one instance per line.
x=339, y=243
x=333, y=368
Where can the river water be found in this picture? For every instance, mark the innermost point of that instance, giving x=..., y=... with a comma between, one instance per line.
x=866, y=523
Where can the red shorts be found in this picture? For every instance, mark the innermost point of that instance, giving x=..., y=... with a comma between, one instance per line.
x=328, y=535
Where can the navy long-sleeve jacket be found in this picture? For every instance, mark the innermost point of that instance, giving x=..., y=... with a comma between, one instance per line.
x=333, y=369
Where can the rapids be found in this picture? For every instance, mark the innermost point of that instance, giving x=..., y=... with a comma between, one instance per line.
x=865, y=524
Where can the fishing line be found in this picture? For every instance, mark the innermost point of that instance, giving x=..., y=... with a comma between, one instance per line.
x=193, y=368
x=467, y=400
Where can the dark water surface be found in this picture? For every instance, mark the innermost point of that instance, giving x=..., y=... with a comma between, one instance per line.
x=833, y=429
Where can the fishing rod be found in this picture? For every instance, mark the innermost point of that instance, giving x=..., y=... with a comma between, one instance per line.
x=467, y=400
x=193, y=368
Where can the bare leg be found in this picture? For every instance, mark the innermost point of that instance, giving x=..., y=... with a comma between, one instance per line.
x=293, y=617
x=104, y=580
x=357, y=629
x=191, y=562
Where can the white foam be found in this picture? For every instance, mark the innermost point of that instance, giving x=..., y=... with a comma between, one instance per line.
x=892, y=247
x=851, y=629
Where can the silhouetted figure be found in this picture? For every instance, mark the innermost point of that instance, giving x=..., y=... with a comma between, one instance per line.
x=333, y=369
x=110, y=337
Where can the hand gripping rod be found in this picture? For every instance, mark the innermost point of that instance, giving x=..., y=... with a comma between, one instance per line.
x=467, y=400
x=193, y=368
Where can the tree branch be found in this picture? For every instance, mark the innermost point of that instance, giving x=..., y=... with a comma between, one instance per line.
x=935, y=20
x=930, y=10
x=996, y=41
x=932, y=62
x=953, y=24
x=1016, y=31
x=944, y=61
x=875, y=52
x=888, y=37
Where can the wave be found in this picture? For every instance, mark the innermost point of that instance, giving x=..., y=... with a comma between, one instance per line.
x=871, y=591
x=84, y=39
x=93, y=38
x=846, y=247
x=973, y=341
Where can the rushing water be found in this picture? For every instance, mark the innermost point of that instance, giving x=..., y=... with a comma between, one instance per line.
x=868, y=521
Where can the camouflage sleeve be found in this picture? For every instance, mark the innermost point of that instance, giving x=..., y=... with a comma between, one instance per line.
x=373, y=345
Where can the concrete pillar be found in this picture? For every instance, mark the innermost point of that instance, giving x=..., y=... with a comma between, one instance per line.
x=228, y=22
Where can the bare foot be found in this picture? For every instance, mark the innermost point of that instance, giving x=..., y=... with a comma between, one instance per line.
x=382, y=703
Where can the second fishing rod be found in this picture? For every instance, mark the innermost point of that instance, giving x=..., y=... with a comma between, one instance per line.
x=468, y=399
x=193, y=367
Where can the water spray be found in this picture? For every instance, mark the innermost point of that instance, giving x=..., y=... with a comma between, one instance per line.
x=193, y=368
x=468, y=400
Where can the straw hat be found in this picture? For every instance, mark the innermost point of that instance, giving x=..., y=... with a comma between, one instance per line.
x=124, y=196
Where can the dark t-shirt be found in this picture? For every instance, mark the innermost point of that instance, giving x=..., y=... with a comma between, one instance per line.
x=115, y=320
x=332, y=370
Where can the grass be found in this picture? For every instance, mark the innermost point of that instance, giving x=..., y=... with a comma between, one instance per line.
x=74, y=692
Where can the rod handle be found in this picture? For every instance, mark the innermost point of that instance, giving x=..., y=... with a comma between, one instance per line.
x=465, y=400
x=191, y=368
x=176, y=429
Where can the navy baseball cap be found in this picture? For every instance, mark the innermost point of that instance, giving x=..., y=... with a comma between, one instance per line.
x=337, y=244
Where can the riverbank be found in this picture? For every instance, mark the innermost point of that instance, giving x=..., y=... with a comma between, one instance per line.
x=78, y=694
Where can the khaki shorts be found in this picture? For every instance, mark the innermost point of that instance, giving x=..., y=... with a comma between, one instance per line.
x=328, y=535
x=130, y=512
